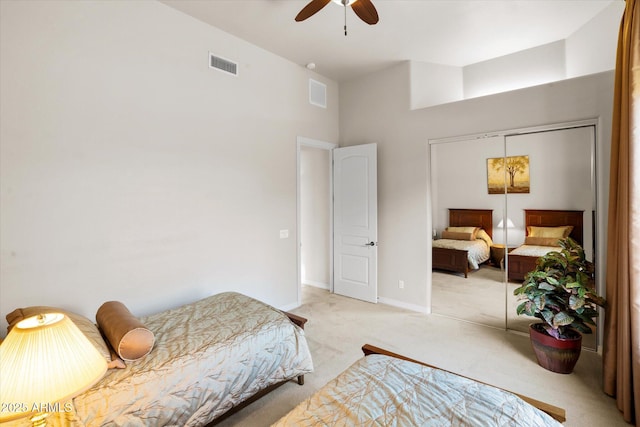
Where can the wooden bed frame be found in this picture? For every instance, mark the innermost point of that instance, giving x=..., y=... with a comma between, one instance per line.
x=457, y=260
x=557, y=413
x=295, y=319
x=520, y=265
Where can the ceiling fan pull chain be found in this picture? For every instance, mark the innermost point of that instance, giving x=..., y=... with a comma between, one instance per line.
x=345, y=17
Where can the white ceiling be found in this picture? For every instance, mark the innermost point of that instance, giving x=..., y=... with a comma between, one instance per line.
x=449, y=32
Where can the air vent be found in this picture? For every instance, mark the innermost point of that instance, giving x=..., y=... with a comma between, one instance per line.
x=317, y=93
x=222, y=64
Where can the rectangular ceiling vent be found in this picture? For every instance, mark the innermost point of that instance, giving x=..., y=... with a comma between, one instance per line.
x=223, y=64
x=317, y=93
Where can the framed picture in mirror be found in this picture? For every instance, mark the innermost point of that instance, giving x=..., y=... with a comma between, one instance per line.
x=508, y=173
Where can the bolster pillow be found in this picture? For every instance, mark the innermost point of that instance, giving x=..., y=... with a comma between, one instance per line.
x=126, y=334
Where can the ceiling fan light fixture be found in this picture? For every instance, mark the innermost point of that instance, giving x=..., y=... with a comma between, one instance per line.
x=365, y=10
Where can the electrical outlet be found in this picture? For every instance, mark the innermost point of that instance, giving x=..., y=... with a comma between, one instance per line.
x=401, y=284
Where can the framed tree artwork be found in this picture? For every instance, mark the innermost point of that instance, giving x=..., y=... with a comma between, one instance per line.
x=508, y=173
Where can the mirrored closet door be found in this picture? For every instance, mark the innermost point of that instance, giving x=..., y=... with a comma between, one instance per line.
x=459, y=189
x=560, y=192
x=543, y=176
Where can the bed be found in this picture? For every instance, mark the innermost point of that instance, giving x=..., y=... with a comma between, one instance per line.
x=384, y=388
x=460, y=256
x=522, y=259
x=209, y=359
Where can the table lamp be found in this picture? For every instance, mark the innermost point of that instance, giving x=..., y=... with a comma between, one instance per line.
x=45, y=360
x=510, y=224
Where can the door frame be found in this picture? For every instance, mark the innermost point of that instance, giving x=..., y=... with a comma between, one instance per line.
x=324, y=145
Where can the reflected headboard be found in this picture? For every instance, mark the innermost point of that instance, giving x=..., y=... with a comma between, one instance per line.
x=482, y=218
x=556, y=218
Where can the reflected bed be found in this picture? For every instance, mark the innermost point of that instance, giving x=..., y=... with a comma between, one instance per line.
x=523, y=259
x=461, y=256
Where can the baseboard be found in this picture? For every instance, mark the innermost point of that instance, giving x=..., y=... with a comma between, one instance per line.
x=406, y=306
x=315, y=284
x=289, y=307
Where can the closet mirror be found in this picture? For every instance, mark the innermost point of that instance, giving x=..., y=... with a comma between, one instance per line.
x=459, y=198
x=542, y=177
x=561, y=193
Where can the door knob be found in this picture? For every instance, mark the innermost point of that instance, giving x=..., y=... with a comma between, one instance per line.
x=371, y=244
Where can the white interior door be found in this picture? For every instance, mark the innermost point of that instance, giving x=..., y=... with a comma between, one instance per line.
x=355, y=222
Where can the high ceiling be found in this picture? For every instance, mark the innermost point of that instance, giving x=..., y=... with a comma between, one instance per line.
x=448, y=32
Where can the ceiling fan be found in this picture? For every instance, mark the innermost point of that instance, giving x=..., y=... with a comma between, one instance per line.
x=363, y=8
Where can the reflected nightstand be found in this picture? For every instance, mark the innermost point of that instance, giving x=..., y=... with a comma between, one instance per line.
x=497, y=254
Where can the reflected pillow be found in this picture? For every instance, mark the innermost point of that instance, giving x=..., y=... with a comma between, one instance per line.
x=472, y=230
x=483, y=235
x=541, y=241
x=555, y=232
x=456, y=235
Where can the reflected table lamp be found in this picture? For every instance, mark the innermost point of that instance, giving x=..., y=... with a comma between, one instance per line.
x=501, y=225
x=510, y=224
x=45, y=360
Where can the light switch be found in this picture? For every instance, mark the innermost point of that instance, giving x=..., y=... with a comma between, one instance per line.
x=284, y=234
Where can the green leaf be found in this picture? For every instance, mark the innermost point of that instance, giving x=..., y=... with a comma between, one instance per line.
x=539, y=301
x=552, y=280
x=547, y=315
x=575, y=302
x=546, y=286
x=581, y=328
x=560, y=290
x=562, y=319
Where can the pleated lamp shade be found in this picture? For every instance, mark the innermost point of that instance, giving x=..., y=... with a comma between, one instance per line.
x=45, y=359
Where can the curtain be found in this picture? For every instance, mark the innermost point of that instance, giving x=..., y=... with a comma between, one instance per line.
x=621, y=361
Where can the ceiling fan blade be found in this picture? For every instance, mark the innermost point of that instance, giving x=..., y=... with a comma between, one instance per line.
x=366, y=11
x=311, y=9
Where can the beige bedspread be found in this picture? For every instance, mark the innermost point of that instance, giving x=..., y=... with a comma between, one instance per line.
x=208, y=356
x=477, y=250
x=534, y=251
x=384, y=391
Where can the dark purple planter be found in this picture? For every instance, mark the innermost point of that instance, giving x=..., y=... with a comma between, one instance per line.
x=556, y=355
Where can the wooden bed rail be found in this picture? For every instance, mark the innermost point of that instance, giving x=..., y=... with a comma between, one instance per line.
x=554, y=411
x=297, y=320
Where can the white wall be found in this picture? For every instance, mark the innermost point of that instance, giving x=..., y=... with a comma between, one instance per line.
x=404, y=215
x=434, y=84
x=315, y=211
x=589, y=50
x=452, y=189
x=531, y=67
x=132, y=171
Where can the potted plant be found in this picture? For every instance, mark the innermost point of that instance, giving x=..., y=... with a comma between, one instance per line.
x=560, y=292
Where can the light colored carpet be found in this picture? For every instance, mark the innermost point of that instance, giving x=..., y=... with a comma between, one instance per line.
x=339, y=326
x=483, y=298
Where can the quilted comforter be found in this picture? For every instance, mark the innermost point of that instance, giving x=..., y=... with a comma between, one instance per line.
x=208, y=356
x=477, y=250
x=384, y=391
x=534, y=251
